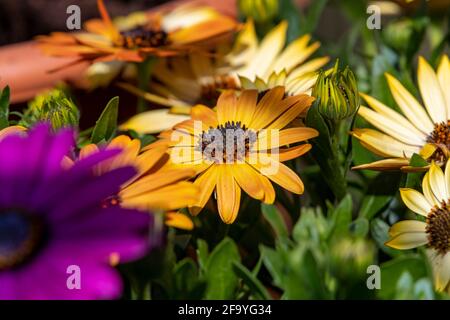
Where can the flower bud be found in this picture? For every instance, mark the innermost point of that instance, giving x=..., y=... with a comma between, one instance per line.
x=53, y=107
x=337, y=93
x=259, y=10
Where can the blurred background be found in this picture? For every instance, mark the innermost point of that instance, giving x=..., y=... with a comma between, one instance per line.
x=21, y=20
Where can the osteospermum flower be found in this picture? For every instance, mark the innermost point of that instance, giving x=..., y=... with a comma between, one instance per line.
x=416, y=129
x=160, y=34
x=51, y=221
x=182, y=82
x=148, y=189
x=434, y=232
x=240, y=146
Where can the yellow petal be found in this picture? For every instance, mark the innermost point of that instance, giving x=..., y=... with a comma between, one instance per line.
x=441, y=268
x=409, y=106
x=226, y=107
x=407, y=226
x=408, y=240
x=431, y=92
x=443, y=74
x=248, y=180
x=271, y=139
x=294, y=54
x=265, y=109
x=308, y=67
x=393, y=164
x=437, y=182
x=295, y=111
x=383, y=144
x=228, y=194
x=268, y=50
x=428, y=193
x=204, y=114
x=178, y=220
x=447, y=175
x=246, y=106
x=392, y=123
x=415, y=201
x=153, y=121
x=163, y=198
x=206, y=183
x=280, y=174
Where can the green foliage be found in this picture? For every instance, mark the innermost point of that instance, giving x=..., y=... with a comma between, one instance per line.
x=4, y=107
x=106, y=125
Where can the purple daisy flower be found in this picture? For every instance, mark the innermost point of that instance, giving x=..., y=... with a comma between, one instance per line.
x=56, y=242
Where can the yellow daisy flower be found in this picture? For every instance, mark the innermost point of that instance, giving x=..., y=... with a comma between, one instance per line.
x=149, y=189
x=182, y=82
x=240, y=145
x=416, y=129
x=434, y=205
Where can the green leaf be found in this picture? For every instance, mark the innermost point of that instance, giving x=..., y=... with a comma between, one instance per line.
x=289, y=12
x=106, y=125
x=256, y=287
x=315, y=120
x=372, y=204
x=185, y=274
x=221, y=279
x=380, y=233
x=360, y=227
x=341, y=216
x=311, y=227
x=315, y=10
x=417, y=161
x=202, y=253
x=392, y=271
x=274, y=217
x=4, y=107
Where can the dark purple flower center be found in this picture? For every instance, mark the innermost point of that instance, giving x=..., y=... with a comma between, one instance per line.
x=227, y=143
x=20, y=235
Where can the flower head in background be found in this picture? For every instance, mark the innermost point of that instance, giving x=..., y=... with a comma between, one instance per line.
x=417, y=129
x=181, y=82
x=161, y=34
x=240, y=146
x=434, y=206
x=149, y=189
x=52, y=219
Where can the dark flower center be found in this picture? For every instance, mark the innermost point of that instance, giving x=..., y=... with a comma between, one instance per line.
x=438, y=228
x=440, y=137
x=227, y=143
x=210, y=90
x=20, y=236
x=143, y=37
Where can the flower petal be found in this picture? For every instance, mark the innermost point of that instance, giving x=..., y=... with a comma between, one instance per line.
x=409, y=105
x=407, y=226
x=431, y=92
x=408, y=240
x=415, y=201
x=228, y=194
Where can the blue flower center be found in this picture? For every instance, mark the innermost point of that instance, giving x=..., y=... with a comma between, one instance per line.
x=20, y=235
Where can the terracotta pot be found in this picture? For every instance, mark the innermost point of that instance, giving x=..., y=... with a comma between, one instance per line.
x=26, y=70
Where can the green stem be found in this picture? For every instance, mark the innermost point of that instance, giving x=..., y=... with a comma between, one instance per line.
x=144, y=72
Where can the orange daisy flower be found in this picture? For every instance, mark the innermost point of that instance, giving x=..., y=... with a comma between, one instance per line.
x=143, y=35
